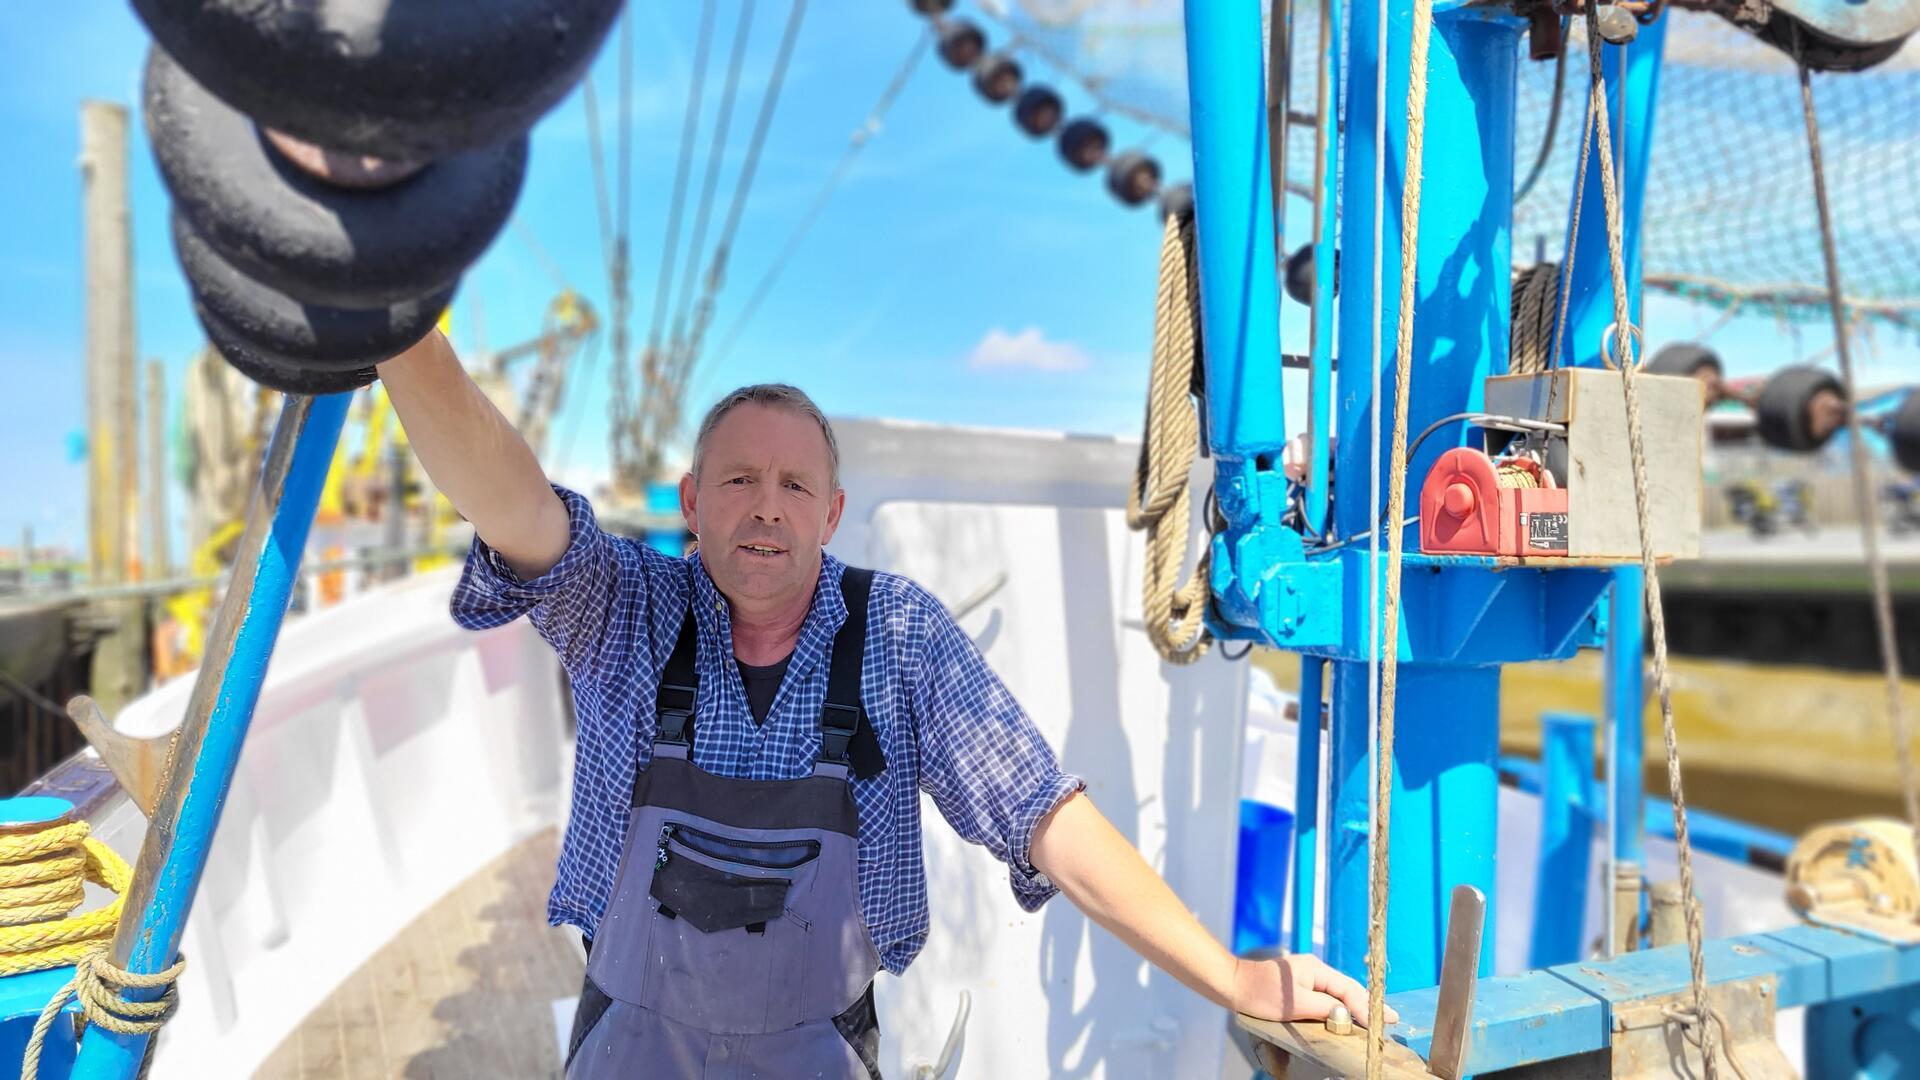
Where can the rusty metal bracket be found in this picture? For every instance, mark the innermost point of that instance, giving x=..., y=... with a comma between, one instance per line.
x=139, y=764
x=1651, y=1036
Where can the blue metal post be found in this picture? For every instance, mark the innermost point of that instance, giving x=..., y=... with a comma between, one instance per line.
x=1239, y=304
x=1445, y=821
x=1306, y=805
x=1625, y=701
x=1566, y=839
x=1590, y=290
x=180, y=835
x=1239, y=294
x=1445, y=784
x=1325, y=228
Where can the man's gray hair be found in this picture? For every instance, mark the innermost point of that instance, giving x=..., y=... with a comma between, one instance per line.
x=778, y=395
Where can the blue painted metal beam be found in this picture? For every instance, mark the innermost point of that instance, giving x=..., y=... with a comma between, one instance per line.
x=1566, y=840
x=1306, y=805
x=1239, y=311
x=174, y=854
x=1326, y=227
x=1545, y=1015
x=1590, y=290
x=1445, y=824
x=1626, y=705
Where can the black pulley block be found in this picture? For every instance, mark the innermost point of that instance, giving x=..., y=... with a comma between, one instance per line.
x=392, y=78
x=1302, y=274
x=1177, y=201
x=1133, y=178
x=312, y=240
x=1038, y=111
x=1903, y=430
x=275, y=372
x=997, y=78
x=303, y=333
x=1800, y=408
x=961, y=44
x=1084, y=144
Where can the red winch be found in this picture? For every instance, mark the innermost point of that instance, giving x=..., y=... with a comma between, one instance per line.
x=1472, y=504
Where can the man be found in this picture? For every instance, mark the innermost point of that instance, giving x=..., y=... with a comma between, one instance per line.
x=756, y=724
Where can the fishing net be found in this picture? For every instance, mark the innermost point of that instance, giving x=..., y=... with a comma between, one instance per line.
x=1730, y=218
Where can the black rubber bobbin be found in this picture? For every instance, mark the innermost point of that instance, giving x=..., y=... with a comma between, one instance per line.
x=416, y=81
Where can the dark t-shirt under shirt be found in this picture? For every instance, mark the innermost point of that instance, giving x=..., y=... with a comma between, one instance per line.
x=763, y=685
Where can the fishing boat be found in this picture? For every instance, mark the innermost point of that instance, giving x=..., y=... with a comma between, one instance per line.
x=283, y=815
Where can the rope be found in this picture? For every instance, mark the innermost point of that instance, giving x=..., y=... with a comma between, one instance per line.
x=1596, y=123
x=43, y=877
x=97, y=983
x=1159, y=501
x=1862, y=472
x=1536, y=296
x=1396, y=537
x=710, y=183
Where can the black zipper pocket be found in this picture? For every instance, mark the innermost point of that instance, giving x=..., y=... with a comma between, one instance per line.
x=758, y=854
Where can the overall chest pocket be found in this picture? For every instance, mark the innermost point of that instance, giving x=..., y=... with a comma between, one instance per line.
x=718, y=883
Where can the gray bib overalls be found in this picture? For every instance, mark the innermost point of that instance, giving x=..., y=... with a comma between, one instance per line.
x=734, y=945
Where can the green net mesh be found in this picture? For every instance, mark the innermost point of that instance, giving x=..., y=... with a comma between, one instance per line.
x=1729, y=218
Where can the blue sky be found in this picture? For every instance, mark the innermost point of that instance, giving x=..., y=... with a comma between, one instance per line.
x=961, y=274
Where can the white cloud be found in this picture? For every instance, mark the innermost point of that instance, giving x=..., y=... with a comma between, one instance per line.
x=1026, y=349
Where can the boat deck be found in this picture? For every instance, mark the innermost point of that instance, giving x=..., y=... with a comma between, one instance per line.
x=466, y=990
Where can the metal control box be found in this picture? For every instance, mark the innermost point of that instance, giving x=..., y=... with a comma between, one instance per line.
x=1593, y=462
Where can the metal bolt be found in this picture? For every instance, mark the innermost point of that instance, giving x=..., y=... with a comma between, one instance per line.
x=1617, y=24
x=1339, y=1021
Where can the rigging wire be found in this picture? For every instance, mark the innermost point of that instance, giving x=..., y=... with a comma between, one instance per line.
x=722, y=249
x=858, y=142
x=689, y=127
x=711, y=182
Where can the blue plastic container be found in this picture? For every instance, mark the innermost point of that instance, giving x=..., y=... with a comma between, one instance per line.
x=1260, y=882
x=664, y=498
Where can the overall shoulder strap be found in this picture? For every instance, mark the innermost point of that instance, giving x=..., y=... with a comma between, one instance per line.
x=841, y=715
x=679, y=687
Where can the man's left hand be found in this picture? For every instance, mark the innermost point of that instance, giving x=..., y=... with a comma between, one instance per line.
x=1297, y=987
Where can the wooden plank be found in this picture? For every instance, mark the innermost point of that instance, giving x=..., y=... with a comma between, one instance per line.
x=466, y=989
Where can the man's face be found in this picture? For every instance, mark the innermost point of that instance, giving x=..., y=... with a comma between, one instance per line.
x=763, y=504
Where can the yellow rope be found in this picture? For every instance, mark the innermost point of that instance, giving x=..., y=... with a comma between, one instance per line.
x=1158, y=501
x=43, y=876
x=41, y=879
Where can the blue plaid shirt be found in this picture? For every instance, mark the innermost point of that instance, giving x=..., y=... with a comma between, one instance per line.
x=612, y=608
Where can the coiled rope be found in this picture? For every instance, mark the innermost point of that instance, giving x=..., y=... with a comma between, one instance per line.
x=1159, y=501
x=43, y=876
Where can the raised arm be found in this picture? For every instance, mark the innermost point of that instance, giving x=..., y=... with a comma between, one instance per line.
x=475, y=457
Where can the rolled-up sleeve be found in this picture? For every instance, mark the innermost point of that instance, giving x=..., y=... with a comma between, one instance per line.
x=571, y=605
x=982, y=760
